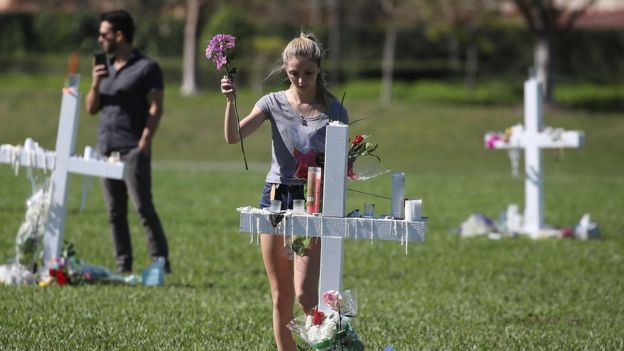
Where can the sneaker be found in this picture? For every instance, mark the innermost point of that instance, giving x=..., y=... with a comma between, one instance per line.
x=124, y=271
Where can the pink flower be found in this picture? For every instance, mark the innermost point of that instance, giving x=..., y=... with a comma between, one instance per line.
x=492, y=139
x=333, y=299
x=87, y=276
x=219, y=51
x=218, y=48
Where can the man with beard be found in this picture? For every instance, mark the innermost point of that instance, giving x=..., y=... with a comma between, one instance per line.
x=128, y=92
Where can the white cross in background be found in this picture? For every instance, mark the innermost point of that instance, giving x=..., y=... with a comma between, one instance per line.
x=533, y=138
x=332, y=225
x=61, y=162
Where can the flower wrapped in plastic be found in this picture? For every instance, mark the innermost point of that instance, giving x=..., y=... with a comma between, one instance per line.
x=331, y=331
x=511, y=140
x=362, y=162
x=31, y=232
x=363, y=168
x=69, y=270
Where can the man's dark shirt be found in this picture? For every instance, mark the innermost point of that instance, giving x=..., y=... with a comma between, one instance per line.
x=123, y=98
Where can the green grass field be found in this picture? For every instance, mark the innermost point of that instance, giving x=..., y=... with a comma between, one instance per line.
x=447, y=293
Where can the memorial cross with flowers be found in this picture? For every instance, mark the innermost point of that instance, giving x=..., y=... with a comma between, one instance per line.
x=332, y=225
x=61, y=162
x=532, y=137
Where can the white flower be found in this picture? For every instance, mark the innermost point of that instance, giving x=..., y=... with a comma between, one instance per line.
x=318, y=333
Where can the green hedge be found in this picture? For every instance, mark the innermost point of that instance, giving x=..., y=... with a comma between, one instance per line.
x=56, y=32
x=505, y=50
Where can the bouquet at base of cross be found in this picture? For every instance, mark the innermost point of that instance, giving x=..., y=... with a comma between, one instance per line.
x=69, y=270
x=331, y=331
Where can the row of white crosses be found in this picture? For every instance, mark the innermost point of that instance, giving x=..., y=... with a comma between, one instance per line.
x=61, y=163
x=332, y=225
x=533, y=139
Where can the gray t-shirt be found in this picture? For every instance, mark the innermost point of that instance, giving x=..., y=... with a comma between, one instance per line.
x=296, y=142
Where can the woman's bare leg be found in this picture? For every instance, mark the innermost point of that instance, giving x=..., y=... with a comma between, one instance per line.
x=280, y=273
x=306, y=277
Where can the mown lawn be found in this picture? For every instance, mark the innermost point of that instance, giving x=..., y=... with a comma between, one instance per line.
x=447, y=293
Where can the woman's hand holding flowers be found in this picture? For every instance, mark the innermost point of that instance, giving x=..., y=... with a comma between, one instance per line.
x=227, y=88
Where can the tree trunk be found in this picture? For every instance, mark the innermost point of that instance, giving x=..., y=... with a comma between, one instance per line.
x=387, y=65
x=453, y=48
x=543, y=65
x=315, y=13
x=333, y=9
x=257, y=70
x=472, y=65
x=189, y=54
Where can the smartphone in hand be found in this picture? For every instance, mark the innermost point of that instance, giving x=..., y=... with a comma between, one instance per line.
x=100, y=59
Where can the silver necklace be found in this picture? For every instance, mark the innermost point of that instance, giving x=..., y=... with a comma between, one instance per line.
x=304, y=120
x=302, y=117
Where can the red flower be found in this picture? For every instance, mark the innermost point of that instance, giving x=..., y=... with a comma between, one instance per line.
x=317, y=317
x=60, y=276
x=357, y=140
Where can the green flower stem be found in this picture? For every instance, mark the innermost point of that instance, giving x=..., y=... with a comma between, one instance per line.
x=239, y=133
x=240, y=137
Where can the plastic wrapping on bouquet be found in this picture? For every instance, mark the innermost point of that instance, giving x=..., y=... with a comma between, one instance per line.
x=313, y=196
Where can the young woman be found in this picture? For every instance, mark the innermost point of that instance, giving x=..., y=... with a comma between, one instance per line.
x=298, y=117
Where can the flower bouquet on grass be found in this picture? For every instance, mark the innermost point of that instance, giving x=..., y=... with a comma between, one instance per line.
x=20, y=271
x=331, y=331
x=31, y=232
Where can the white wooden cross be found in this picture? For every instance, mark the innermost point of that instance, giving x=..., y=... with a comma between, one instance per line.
x=332, y=225
x=533, y=139
x=61, y=162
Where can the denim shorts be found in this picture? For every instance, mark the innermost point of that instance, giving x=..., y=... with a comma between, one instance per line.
x=283, y=192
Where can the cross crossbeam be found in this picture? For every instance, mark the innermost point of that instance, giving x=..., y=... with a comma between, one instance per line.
x=533, y=138
x=332, y=225
x=62, y=162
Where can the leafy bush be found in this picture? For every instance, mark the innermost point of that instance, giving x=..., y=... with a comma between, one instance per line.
x=55, y=31
x=591, y=96
x=505, y=49
x=228, y=20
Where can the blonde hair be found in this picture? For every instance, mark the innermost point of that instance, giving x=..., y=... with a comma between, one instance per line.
x=306, y=45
